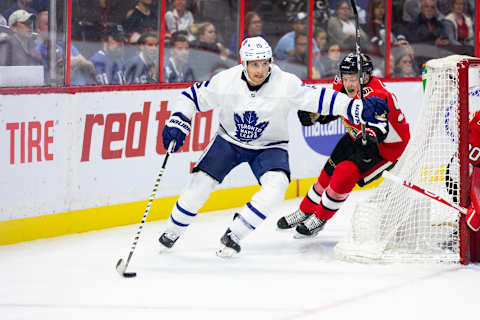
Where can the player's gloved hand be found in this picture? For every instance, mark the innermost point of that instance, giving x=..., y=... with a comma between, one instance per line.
x=473, y=219
x=372, y=110
x=368, y=150
x=309, y=118
x=176, y=128
x=306, y=118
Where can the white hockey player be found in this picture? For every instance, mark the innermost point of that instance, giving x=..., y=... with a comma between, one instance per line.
x=253, y=100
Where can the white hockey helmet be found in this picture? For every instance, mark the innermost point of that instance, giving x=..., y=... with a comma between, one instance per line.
x=255, y=48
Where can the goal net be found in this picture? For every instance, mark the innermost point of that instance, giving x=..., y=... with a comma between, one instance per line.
x=397, y=224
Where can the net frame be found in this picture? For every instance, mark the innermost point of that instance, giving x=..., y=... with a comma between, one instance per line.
x=369, y=241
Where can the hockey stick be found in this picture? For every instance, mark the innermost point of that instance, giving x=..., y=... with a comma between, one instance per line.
x=426, y=193
x=359, y=63
x=121, y=265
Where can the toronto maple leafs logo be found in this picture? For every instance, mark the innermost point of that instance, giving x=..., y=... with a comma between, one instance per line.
x=247, y=128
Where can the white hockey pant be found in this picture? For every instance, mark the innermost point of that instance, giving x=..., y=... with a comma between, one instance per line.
x=274, y=184
x=191, y=200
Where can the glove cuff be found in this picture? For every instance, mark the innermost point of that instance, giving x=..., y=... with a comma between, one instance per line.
x=179, y=121
x=368, y=131
x=354, y=111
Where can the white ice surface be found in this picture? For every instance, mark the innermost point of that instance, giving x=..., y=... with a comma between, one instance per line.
x=274, y=277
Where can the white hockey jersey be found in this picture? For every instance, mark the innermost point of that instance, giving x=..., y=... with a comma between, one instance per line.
x=258, y=119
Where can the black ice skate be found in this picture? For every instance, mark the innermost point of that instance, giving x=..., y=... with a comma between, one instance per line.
x=168, y=239
x=292, y=220
x=230, y=245
x=310, y=227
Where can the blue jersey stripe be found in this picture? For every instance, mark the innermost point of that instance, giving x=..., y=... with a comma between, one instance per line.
x=178, y=223
x=332, y=102
x=192, y=98
x=254, y=210
x=189, y=97
x=320, y=100
x=185, y=212
x=245, y=222
x=192, y=88
x=349, y=111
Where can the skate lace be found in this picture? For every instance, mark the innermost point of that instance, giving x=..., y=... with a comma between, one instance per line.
x=313, y=222
x=171, y=235
x=295, y=217
x=234, y=237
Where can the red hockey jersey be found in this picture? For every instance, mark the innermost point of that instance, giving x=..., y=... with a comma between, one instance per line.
x=399, y=130
x=474, y=139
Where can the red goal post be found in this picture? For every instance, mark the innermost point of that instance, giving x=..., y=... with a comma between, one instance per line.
x=396, y=224
x=469, y=240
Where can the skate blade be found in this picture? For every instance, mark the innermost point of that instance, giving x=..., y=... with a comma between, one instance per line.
x=225, y=252
x=160, y=248
x=297, y=235
x=286, y=230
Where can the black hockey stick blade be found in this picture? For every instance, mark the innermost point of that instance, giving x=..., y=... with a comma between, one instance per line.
x=121, y=270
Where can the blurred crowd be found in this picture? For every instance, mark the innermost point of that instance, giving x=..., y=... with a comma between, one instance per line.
x=119, y=41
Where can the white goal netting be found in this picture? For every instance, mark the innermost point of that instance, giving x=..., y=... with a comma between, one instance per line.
x=398, y=224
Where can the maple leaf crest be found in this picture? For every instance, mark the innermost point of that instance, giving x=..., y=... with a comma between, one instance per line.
x=247, y=127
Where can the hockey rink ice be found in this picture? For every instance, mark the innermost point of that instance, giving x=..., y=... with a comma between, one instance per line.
x=274, y=277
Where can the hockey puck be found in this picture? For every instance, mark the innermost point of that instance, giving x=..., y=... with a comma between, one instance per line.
x=121, y=267
x=129, y=274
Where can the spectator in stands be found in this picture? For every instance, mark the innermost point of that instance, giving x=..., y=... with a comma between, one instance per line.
x=341, y=28
x=458, y=25
x=206, y=38
x=194, y=6
x=285, y=46
x=321, y=39
x=427, y=34
x=328, y=65
x=179, y=18
x=379, y=66
x=426, y=28
x=89, y=18
x=110, y=62
x=41, y=5
x=297, y=62
x=19, y=5
x=3, y=21
x=143, y=68
x=320, y=10
x=404, y=65
x=17, y=47
x=362, y=6
x=376, y=28
x=176, y=67
x=206, y=53
x=81, y=69
x=140, y=19
x=412, y=8
x=446, y=6
x=252, y=27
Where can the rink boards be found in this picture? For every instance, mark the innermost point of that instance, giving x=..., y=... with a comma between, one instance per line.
x=86, y=161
